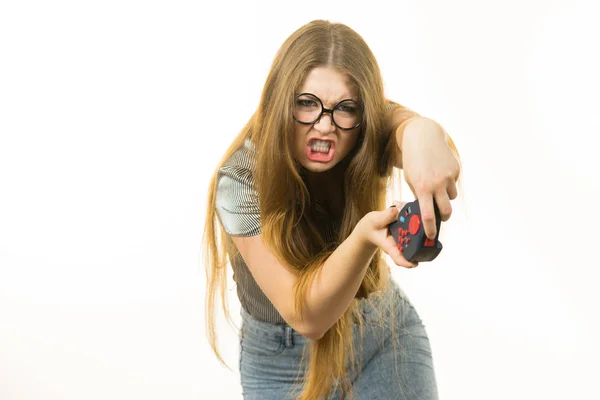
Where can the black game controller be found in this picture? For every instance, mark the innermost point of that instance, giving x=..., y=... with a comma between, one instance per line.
x=409, y=234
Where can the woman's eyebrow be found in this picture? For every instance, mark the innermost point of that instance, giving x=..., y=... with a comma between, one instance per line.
x=328, y=103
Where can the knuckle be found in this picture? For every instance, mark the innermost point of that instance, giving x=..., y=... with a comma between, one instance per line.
x=440, y=180
x=421, y=185
x=446, y=211
x=427, y=216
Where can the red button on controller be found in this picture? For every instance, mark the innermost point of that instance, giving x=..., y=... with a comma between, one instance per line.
x=414, y=225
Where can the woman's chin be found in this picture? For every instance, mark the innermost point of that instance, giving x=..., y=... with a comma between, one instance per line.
x=317, y=166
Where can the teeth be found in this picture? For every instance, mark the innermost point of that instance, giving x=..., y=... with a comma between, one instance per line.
x=320, y=146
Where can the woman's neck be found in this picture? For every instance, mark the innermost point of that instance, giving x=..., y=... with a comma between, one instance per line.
x=327, y=189
x=323, y=185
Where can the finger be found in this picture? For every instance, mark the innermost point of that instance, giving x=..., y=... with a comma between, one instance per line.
x=387, y=216
x=452, y=190
x=427, y=214
x=443, y=202
x=391, y=249
x=399, y=204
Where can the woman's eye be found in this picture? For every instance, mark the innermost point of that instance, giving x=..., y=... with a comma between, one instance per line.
x=306, y=103
x=347, y=109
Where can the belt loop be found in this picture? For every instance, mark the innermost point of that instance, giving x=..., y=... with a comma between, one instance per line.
x=288, y=336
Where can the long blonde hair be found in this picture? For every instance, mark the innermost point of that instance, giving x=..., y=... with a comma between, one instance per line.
x=286, y=225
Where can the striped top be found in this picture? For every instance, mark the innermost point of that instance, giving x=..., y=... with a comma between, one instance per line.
x=238, y=209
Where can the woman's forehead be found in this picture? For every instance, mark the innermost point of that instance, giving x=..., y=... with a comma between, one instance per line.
x=329, y=85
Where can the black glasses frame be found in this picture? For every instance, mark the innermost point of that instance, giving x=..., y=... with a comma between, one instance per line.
x=328, y=110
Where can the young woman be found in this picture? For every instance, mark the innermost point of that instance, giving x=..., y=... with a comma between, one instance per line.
x=297, y=207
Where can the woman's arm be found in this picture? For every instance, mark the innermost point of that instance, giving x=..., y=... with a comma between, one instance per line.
x=429, y=158
x=396, y=119
x=336, y=282
x=400, y=119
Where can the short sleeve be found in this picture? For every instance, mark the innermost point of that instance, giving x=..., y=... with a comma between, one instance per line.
x=236, y=196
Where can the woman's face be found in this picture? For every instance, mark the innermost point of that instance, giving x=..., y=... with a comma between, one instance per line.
x=320, y=146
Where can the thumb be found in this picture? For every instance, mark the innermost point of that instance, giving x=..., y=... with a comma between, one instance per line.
x=388, y=216
x=392, y=212
x=399, y=204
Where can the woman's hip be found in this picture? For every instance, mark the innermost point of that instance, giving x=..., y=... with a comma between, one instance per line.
x=273, y=357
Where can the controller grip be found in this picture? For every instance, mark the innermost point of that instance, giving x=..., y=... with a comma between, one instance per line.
x=409, y=234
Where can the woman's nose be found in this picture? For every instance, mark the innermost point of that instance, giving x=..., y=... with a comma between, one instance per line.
x=325, y=123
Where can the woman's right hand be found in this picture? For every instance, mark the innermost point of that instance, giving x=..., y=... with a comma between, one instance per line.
x=374, y=228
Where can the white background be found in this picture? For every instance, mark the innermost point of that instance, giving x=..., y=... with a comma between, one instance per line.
x=114, y=114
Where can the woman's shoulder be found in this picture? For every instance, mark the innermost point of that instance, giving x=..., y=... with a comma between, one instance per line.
x=243, y=158
x=236, y=197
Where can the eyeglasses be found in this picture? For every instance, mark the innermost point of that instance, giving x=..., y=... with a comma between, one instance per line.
x=308, y=110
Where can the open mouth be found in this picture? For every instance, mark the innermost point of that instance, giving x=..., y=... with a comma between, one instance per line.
x=320, y=150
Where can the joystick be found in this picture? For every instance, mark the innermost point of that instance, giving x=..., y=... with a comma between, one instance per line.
x=409, y=234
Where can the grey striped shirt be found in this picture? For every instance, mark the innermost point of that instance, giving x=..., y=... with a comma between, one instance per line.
x=238, y=210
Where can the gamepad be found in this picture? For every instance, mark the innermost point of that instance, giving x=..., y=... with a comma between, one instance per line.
x=409, y=234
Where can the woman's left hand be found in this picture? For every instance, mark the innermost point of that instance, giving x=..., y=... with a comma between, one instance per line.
x=431, y=170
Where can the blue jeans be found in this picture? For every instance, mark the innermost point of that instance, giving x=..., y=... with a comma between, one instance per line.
x=396, y=361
